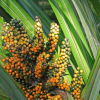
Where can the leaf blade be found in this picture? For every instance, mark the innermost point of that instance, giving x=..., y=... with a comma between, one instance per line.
x=93, y=81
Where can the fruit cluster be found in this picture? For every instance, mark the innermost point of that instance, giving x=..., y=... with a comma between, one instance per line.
x=19, y=70
x=57, y=68
x=20, y=43
x=44, y=57
x=77, y=83
x=33, y=63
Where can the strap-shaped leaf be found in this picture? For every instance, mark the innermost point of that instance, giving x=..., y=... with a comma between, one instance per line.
x=92, y=87
x=91, y=18
x=96, y=6
x=3, y=95
x=93, y=43
x=69, y=97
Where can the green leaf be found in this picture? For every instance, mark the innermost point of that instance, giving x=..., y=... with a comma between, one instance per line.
x=96, y=7
x=3, y=95
x=92, y=87
x=93, y=43
x=72, y=30
x=91, y=18
x=69, y=96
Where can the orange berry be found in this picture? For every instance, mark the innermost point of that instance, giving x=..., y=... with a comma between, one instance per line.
x=21, y=43
x=53, y=48
x=8, y=67
x=12, y=27
x=75, y=91
x=50, y=67
x=50, y=50
x=78, y=96
x=6, y=37
x=13, y=51
x=48, y=39
x=5, y=48
x=42, y=40
x=8, y=40
x=50, y=35
x=21, y=59
x=12, y=66
x=18, y=67
x=59, y=96
x=10, y=70
x=3, y=60
x=33, y=93
x=18, y=63
x=10, y=60
x=23, y=52
x=62, y=87
x=81, y=82
x=31, y=96
x=29, y=45
x=52, y=42
x=17, y=75
x=40, y=34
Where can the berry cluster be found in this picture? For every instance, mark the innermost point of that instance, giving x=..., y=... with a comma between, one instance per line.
x=57, y=68
x=43, y=58
x=33, y=63
x=19, y=70
x=18, y=41
x=77, y=83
